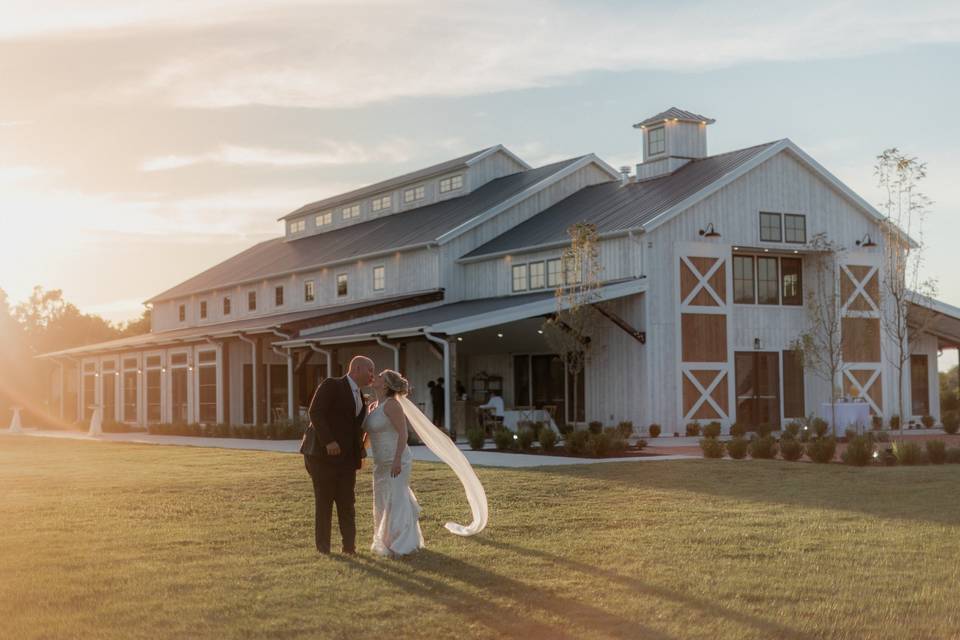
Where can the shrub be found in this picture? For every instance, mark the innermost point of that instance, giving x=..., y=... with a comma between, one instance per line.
x=850, y=433
x=820, y=427
x=928, y=421
x=737, y=447
x=693, y=429
x=763, y=448
x=908, y=453
x=764, y=430
x=876, y=422
x=616, y=443
x=575, y=443
x=538, y=426
x=503, y=439
x=793, y=428
x=894, y=422
x=595, y=426
x=712, y=430
x=548, y=438
x=953, y=455
x=882, y=436
x=791, y=449
x=951, y=422
x=476, y=438
x=859, y=451
x=641, y=444
x=936, y=451
x=523, y=424
x=525, y=438
x=821, y=450
x=738, y=430
x=711, y=447
x=654, y=430
x=597, y=445
x=566, y=428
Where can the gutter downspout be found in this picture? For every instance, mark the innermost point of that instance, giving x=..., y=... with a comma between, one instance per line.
x=446, y=374
x=253, y=349
x=290, y=414
x=392, y=347
x=326, y=354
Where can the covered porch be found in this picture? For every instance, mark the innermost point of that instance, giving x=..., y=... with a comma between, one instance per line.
x=940, y=324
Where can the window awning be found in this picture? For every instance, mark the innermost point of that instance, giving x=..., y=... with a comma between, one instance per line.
x=458, y=317
x=940, y=320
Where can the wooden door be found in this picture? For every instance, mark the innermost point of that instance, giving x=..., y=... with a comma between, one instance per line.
x=758, y=388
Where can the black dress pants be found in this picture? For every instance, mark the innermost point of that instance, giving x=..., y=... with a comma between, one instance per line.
x=333, y=483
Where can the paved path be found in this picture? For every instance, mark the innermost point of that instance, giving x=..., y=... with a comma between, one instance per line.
x=477, y=458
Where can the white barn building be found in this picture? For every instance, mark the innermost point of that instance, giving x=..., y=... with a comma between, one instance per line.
x=450, y=271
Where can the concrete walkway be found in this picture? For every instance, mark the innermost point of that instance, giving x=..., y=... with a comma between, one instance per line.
x=477, y=458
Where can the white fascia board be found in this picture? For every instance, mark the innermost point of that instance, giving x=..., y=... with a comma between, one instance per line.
x=498, y=149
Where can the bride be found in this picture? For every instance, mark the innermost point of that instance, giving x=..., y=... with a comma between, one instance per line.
x=396, y=527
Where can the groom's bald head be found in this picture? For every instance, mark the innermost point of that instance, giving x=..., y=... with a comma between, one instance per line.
x=361, y=370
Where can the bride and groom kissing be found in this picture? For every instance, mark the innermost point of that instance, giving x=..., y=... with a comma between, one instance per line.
x=334, y=446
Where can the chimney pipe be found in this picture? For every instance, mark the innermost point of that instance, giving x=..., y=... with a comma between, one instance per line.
x=624, y=175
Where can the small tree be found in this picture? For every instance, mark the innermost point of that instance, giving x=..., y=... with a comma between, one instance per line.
x=568, y=332
x=820, y=347
x=903, y=292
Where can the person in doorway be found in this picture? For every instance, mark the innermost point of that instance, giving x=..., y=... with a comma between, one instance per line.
x=495, y=404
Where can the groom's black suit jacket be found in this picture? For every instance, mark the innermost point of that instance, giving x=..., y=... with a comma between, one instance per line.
x=333, y=414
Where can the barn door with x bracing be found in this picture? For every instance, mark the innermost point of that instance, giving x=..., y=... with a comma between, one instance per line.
x=703, y=340
x=860, y=329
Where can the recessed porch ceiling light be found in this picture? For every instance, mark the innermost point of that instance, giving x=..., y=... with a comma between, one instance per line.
x=499, y=335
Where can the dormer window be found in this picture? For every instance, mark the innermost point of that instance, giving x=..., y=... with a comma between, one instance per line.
x=341, y=285
x=324, y=218
x=251, y=301
x=309, y=291
x=656, y=141
x=379, y=204
x=414, y=194
x=297, y=226
x=452, y=183
x=182, y=312
x=278, y=296
x=351, y=212
x=203, y=309
x=226, y=305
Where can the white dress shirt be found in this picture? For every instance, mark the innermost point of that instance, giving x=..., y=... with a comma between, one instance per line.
x=357, y=399
x=495, y=403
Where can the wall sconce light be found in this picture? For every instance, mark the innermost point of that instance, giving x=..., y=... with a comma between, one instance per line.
x=709, y=231
x=866, y=241
x=756, y=344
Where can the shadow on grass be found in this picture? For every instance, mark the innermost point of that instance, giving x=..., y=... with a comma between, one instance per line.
x=697, y=605
x=429, y=573
x=922, y=494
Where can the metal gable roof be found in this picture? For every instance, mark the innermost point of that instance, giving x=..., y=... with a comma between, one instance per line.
x=613, y=207
x=394, y=232
x=675, y=114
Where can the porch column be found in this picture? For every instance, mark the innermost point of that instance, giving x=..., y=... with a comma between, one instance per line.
x=253, y=350
x=290, y=407
x=447, y=347
x=63, y=387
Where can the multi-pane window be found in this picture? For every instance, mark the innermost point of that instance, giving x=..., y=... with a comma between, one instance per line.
x=379, y=278
x=795, y=228
x=452, y=183
x=538, y=277
x=413, y=194
x=251, y=301
x=379, y=204
x=153, y=374
x=573, y=273
x=182, y=312
x=351, y=212
x=656, y=141
x=341, y=285
x=226, y=305
x=554, y=273
x=743, y=279
x=298, y=225
x=203, y=309
x=324, y=218
x=207, y=386
x=770, y=227
x=309, y=291
x=768, y=282
x=278, y=296
x=791, y=270
x=519, y=277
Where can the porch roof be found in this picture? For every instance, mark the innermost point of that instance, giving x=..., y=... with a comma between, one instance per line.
x=944, y=324
x=458, y=317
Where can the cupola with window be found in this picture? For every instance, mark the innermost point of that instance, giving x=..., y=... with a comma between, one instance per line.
x=671, y=139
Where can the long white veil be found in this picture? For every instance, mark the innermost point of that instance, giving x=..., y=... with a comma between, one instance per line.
x=444, y=448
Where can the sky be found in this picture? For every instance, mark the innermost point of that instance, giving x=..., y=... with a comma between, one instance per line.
x=143, y=141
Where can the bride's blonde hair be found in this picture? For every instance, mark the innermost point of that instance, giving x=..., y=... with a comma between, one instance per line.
x=395, y=383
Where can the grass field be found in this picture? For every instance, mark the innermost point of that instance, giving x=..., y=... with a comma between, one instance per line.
x=129, y=541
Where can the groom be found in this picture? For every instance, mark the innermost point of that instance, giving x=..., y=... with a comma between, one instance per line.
x=332, y=449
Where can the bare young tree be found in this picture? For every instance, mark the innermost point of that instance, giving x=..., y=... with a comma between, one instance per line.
x=569, y=330
x=903, y=290
x=820, y=347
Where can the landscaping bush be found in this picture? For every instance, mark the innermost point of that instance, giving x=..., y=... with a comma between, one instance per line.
x=503, y=439
x=821, y=450
x=654, y=430
x=575, y=443
x=616, y=443
x=597, y=445
x=525, y=438
x=566, y=428
x=791, y=449
x=859, y=452
x=476, y=438
x=928, y=421
x=595, y=426
x=908, y=453
x=737, y=447
x=737, y=430
x=711, y=447
x=712, y=430
x=820, y=427
x=793, y=428
x=894, y=422
x=641, y=444
x=764, y=430
x=548, y=438
x=538, y=426
x=951, y=422
x=625, y=428
x=876, y=422
x=882, y=436
x=763, y=448
x=936, y=451
x=693, y=429
x=953, y=455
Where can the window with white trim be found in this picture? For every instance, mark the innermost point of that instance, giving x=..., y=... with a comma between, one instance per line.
x=323, y=219
x=554, y=273
x=413, y=194
x=519, y=277
x=538, y=276
x=379, y=278
x=251, y=301
x=309, y=291
x=203, y=309
x=381, y=204
x=226, y=305
x=298, y=225
x=182, y=313
x=452, y=183
x=341, y=285
x=351, y=212
x=278, y=296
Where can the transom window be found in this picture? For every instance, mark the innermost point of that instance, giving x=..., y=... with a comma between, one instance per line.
x=351, y=212
x=795, y=228
x=379, y=278
x=251, y=301
x=538, y=278
x=519, y=277
x=656, y=141
x=770, y=227
x=278, y=296
x=226, y=305
x=554, y=273
x=203, y=309
x=414, y=194
x=298, y=225
x=379, y=204
x=767, y=280
x=324, y=218
x=309, y=291
x=341, y=285
x=452, y=183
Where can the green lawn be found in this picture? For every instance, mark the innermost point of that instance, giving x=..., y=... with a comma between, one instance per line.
x=127, y=541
